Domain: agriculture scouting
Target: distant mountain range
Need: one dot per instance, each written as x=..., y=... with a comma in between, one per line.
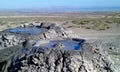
x=61, y=9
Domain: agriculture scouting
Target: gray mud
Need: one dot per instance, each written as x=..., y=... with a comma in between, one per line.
x=55, y=50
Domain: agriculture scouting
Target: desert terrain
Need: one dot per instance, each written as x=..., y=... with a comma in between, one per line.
x=84, y=24
x=101, y=29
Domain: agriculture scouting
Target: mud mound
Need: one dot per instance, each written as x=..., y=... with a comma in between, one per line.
x=52, y=48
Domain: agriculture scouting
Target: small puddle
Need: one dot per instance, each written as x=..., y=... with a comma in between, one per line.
x=27, y=30
x=66, y=44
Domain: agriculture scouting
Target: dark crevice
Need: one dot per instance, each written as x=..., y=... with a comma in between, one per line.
x=44, y=35
x=63, y=56
x=2, y=65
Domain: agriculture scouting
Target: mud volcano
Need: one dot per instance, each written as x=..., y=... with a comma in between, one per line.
x=48, y=47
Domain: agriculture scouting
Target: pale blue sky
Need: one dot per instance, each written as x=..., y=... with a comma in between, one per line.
x=10, y=4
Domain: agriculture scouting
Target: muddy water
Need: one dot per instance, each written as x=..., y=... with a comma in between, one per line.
x=68, y=44
x=26, y=30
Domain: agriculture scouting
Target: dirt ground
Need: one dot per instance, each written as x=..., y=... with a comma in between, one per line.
x=65, y=19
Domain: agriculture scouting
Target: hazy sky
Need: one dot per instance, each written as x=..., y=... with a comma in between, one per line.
x=6, y=4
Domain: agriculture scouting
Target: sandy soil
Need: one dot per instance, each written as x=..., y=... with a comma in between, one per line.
x=62, y=18
x=92, y=34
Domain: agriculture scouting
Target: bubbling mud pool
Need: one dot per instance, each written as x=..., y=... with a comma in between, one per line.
x=65, y=44
x=27, y=30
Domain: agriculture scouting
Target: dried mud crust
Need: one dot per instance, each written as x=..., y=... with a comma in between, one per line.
x=40, y=59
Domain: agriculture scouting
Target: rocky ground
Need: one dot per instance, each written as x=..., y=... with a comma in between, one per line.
x=22, y=53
